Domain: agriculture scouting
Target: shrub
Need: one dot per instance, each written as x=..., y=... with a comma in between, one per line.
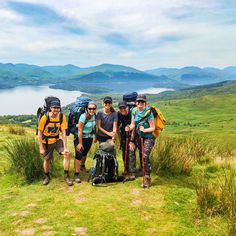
x=25, y=158
x=177, y=155
x=16, y=129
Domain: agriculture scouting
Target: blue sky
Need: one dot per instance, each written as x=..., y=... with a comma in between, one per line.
x=142, y=34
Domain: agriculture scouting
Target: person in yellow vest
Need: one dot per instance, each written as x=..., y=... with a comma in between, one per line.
x=49, y=129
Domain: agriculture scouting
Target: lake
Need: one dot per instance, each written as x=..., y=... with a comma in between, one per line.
x=27, y=99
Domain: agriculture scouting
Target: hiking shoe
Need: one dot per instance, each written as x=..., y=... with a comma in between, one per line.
x=77, y=178
x=46, y=180
x=68, y=181
x=83, y=168
x=132, y=177
x=147, y=182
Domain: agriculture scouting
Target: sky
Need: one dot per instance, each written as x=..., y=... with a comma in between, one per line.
x=142, y=34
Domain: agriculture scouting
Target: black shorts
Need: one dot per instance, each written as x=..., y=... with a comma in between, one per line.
x=102, y=139
x=87, y=143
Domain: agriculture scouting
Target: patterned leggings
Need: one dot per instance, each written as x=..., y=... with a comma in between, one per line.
x=148, y=145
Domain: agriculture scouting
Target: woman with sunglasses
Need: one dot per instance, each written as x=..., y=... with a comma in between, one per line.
x=143, y=125
x=83, y=143
x=107, y=122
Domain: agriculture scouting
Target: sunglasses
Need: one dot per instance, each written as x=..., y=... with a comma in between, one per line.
x=107, y=102
x=91, y=109
x=140, y=101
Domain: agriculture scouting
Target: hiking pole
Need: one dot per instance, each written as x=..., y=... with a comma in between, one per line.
x=126, y=152
x=142, y=151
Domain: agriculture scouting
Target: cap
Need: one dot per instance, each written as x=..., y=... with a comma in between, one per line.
x=122, y=104
x=141, y=97
x=55, y=104
x=107, y=99
x=92, y=103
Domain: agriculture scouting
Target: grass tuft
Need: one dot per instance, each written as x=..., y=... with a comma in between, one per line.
x=16, y=129
x=25, y=159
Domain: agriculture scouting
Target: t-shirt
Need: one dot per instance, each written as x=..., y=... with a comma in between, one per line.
x=52, y=128
x=107, y=122
x=123, y=121
x=138, y=116
x=89, y=125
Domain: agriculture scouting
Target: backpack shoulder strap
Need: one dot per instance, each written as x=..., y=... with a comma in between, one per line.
x=47, y=121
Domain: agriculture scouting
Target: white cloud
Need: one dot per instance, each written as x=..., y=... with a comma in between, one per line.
x=157, y=33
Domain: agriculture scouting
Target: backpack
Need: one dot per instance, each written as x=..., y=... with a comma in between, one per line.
x=159, y=119
x=105, y=167
x=77, y=109
x=45, y=109
x=130, y=99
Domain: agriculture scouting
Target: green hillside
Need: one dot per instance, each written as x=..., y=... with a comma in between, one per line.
x=188, y=196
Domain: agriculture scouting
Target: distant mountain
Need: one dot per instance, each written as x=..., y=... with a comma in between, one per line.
x=195, y=75
x=62, y=71
x=117, y=82
x=221, y=88
x=109, y=77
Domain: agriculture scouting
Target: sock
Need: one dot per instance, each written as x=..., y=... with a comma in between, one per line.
x=66, y=172
x=76, y=173
x=47, y=174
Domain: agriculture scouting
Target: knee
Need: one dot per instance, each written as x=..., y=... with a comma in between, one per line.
x=67, y=155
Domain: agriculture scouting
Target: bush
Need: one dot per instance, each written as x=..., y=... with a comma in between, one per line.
x=15, y=129
x=25, y=158
x=177, y=155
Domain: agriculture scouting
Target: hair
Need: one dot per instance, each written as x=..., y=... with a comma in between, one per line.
x=112, y=109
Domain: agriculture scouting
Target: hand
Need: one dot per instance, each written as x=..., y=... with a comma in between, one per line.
x=132, y=146
x=127, y=128
x=42, y=151
x=112, y=134
x=141, y=128
x=95, y=140
x=66, y=151
x=80, y=147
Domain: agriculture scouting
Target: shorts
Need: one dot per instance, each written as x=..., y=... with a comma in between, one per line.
x=58, y=145
x=102, y=139
x=87, y=143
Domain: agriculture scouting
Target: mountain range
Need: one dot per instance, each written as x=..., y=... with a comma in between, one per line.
x=109, y=78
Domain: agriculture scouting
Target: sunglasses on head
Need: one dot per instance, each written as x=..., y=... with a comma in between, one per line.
x=91, y=108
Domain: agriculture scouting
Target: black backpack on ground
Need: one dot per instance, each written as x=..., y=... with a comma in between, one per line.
x=45, y=109
x=130, y=99
x=105, y=168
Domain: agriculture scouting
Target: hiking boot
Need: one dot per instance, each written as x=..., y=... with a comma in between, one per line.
x=132, y=177
x=147, y=182
x=77, y=178
x=46, y=180
x=67, y=180
x=83, y=168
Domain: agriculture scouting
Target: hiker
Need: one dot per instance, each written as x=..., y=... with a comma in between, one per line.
x=84, y=140
x=49, y=129
x=142, y=126
x=124, y=121
x=107, y=120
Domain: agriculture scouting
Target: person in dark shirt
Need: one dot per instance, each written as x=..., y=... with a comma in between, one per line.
x=124, y=121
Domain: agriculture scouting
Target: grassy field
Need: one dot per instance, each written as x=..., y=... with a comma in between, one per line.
x=169, y=207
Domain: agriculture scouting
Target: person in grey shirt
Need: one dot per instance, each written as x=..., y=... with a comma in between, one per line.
x=107, y=120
